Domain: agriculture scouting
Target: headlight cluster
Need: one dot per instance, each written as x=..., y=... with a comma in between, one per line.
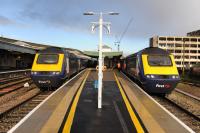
x=150, y=76
x=175, y=77
x=34, y=73
x=55, y=73
x=45, y=73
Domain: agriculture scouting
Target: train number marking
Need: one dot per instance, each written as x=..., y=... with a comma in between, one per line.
x=163, y=86
x=44, y=82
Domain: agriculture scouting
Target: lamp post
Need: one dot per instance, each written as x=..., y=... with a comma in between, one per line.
x=106, y=25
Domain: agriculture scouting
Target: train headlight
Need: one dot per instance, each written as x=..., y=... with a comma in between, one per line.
x=175, y=77
x=34, y=73
x=55, y=73
x=150, y=76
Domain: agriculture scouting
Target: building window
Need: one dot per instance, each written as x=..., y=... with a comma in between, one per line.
x=186, y=45
x=162, y=45
x=177, y=57
x=185, y=39
x=178, y=39
x=193, y=51
x=193, y=40
x=193, y=46
x=170, y=45
x=177, y=51
x=162, y=38
x=170, y=39
x=178, y=45
x=193, y=57
x=187, y=51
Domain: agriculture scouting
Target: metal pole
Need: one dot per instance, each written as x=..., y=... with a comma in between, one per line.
x=100, y=74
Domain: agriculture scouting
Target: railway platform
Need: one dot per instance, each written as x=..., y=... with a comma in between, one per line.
x=125, y=108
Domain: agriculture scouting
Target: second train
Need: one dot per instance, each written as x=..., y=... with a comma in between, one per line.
x=152, y=68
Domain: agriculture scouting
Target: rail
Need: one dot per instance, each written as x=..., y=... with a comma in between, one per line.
x=16, y=71
x=187, y=94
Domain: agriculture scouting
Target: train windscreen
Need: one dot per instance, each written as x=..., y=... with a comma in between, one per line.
x=47, y=59
x=159, y=60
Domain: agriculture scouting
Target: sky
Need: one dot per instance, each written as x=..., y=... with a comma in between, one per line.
x=62, y=23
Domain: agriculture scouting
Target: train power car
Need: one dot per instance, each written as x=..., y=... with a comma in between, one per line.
x=154, y=69
x=52, y=66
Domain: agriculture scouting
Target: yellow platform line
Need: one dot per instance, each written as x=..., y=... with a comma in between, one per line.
x=69, y=121
x=130, y=110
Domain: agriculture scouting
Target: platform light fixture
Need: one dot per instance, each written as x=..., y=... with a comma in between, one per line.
x=101, y=25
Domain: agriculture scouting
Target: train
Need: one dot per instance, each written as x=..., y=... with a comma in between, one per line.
x=154, y=69
x=195, y=70
x=53, y=65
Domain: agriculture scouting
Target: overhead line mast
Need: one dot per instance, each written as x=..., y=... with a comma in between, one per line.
x=123, y=33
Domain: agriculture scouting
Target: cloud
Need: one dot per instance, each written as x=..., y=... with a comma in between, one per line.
x=5, y=21
x=150, y=17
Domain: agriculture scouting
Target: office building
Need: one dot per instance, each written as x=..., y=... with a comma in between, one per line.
x=186, y=50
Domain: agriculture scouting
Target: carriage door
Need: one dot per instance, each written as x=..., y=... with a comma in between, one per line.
x=67, y=68
x=137, y=66
x=79, y=64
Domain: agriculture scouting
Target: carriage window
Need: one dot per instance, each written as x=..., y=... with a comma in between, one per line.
x=47, y=59
x=159, y=60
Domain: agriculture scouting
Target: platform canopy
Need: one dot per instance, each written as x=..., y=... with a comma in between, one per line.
x=95, y=54
x=20, y=46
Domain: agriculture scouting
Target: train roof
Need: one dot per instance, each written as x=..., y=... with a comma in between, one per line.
x=154, y=50
x=71, y=53
x=52, y=50
x=151, y=50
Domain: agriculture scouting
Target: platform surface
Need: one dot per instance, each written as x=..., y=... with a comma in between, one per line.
x=125, y=109
x=112, y=118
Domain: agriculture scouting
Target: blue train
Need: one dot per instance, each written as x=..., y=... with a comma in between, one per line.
x=152, y=68
x=53, y=65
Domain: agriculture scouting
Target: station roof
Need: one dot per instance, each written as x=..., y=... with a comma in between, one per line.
x=29, y=47
x=95, y=54
x=20, y=46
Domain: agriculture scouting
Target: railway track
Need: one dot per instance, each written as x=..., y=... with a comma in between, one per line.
x=13, y=86
x=11, y=79
x=189, y=118
x=191, y=83
x=14, y=82
x=13, y=74
x=186, y=101
x=188, y=94
x=12, y=116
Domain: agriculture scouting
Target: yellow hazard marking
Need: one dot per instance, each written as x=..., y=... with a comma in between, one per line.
x=130, y=110
x=70, y=117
